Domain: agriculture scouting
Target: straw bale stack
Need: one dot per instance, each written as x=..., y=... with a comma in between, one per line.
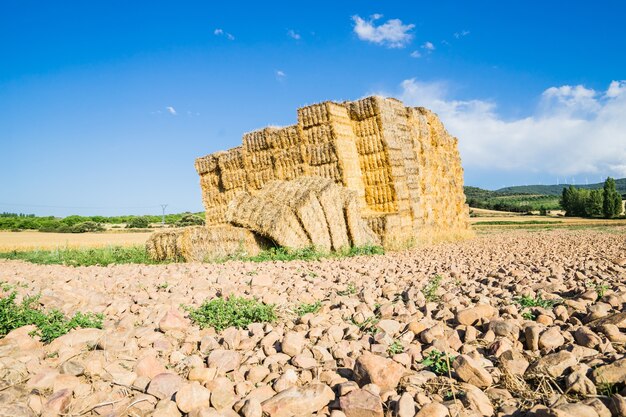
x=400, y=162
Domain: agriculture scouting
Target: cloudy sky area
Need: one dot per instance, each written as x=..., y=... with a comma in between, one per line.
x=105, y=105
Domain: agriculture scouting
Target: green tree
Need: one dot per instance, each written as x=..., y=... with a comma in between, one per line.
x=612, y=201
x=140, y=222
x=594, y=203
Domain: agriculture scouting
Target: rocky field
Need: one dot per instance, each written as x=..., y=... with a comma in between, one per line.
x=508, y=324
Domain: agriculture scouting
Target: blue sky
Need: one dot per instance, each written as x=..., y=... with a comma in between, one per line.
x=105, y=105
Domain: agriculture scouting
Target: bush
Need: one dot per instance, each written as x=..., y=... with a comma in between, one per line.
x=189, y=219
x=88, y=226
x=140, y=222
x=220, y=313
x=50, y=325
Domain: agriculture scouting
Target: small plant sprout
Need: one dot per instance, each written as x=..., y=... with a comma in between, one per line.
x=305, y=308
x=438, y=362
x=395, y=348
x=430, y=290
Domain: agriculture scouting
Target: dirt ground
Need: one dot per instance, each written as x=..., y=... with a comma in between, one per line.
x=369, y=349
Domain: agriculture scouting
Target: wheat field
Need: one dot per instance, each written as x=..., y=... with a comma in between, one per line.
x=30, y=240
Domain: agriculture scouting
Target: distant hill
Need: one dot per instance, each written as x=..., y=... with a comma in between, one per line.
x=620, y=185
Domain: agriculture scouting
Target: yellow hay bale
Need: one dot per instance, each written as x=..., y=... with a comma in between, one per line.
x=330, y=171
x=202, y=244
x=359, y=232
x=230, y=160
x=276, y=222
x=164, y=245
x=206, y=164
x=300, y=196
x=258, y=178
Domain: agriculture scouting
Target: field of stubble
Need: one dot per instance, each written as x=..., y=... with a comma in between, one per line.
x=509, y=323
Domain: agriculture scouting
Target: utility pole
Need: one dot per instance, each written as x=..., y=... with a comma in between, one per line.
x=163, y=206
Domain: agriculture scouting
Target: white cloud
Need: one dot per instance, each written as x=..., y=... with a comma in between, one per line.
x=220, y=32
x=416, y=54
x=280, y=74
x=393, y=33
x=573, y=130
x=428, y=46
x=293, y=34
x=461, y=34
x=171, y=110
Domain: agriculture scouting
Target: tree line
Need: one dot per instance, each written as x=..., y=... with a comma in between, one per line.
x=605, y=202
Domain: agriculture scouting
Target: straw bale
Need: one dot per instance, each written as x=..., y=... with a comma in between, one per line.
x=164, y=245
x=201, y=244
x=258, y=159
x=359, y=232
x=258, y=178
x=233, y=179
x=206, y=164
x=330, y=171
x=230, y=160
x=274, y=221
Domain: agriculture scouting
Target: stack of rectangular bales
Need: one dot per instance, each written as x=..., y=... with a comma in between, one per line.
x=400, y=161
x=329, y=148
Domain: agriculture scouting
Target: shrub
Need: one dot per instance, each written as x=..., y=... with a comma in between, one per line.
x=50, y=325
x=430, y=290
x=189, y=219
x=221, y=313
x=140, y=222
x=87, y=226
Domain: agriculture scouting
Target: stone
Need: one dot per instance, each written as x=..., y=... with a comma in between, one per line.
x=252, y=408
x=577, y=410
x=383, y=372
x=405, y=406
x=72, y=368
x=587, y=338
x=202, y=375
x=166, y=408
x=613, y=373
x=224, y=360
x=298, y=401
x=173, y=320
x=292, y=343
x=264, y=280
x=514, y=362
x=191, y=396
x=164, y=386
x=433, y=410
x=551, y=339
x=149, y=366
x=58, y=402
x=478, y=314
x=477, y=400
x=222, y=392
x=577, y=382
x=361, y=403
x=472, y=372
x=553, y=364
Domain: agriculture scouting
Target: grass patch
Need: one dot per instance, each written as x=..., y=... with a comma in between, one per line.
x=527, y=301
x=509, y=222
x=438, y=362
x=50, y=325
x=305, y=308
x=528, y=315
x=84, y=257
x=368, y=325
x=220, y=313
x=430, y=290
x=306, y=254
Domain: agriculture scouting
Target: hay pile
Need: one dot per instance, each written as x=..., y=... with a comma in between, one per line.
x=308, y=211
x=200, y=243
x=400, y=162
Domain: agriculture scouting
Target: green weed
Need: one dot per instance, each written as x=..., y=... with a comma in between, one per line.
x=438, y=362
x=528, y=315
x=430, y=290
x=221, y=313
x=350, y=290
x=527, y=301
x=305, y=308
x=50, y=325
x=395, y=348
